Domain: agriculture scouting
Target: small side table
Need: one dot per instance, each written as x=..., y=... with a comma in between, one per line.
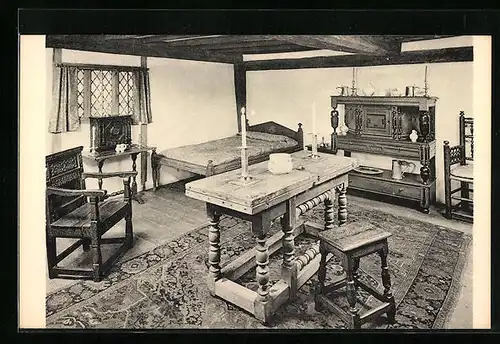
x=133, y=152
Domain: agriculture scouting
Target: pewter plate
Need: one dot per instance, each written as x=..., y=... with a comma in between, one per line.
x=368, y=170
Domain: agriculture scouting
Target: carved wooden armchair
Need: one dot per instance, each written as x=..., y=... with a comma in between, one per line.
x=74, y=212
x=458, y=169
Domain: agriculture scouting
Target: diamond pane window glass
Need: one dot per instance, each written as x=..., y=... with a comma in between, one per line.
x=80, y=91
x=125, y=93
x=105, y=92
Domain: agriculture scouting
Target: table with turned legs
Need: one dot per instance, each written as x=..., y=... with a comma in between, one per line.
x=260, y=200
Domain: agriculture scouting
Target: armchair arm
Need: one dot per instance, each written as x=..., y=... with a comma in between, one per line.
x=72, y=192
x=99, y=175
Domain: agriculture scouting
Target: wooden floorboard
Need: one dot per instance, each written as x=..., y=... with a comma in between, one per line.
x=174, y=210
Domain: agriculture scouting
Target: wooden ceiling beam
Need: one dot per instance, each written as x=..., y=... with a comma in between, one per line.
x=258, y=49
x=99, y=44
x=345, y=43
x=169, y=39
x=219, y=40
x=462, y=54
x=144, y=38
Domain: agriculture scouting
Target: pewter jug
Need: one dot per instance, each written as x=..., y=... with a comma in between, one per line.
x=344, y=90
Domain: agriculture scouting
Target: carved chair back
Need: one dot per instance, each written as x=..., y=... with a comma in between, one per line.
x=64, y=170
x=466, y=138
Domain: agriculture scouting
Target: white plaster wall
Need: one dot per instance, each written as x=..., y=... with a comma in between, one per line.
x=191, y=102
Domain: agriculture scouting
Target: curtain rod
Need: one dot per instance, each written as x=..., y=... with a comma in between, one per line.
x=102, y=67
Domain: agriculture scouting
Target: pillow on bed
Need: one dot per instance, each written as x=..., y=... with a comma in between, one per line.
x=256, y=135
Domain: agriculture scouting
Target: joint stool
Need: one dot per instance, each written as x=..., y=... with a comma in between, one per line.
x=349, y=243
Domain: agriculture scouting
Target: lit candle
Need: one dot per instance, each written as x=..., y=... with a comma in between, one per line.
x=243, y=129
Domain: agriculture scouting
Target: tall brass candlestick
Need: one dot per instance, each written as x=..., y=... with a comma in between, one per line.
x=354, y=77
x=426, y=85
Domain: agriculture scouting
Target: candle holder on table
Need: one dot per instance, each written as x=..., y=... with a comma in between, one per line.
x=245, y=175
x=93, y=151
x=314, y=146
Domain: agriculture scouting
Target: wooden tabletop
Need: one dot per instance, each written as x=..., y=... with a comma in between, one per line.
x=266, y=189
x=134, y=149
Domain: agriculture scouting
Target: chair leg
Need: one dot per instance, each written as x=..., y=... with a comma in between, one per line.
x=386, y=282
x=129, y=232
x=51, y=255
x=464, y=193
x=96, y=258
x=351, y=293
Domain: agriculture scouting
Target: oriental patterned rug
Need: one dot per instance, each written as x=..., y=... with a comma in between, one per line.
x=165, y=287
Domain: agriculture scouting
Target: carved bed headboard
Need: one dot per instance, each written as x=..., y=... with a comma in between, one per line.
x=271, y=127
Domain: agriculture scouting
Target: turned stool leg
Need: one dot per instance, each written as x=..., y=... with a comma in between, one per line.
x=355, y=274
x=351, y=292
x=386, y=282
x=321, y=275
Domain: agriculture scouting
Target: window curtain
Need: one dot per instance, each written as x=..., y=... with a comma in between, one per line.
x=142, y=99
x=64, y=115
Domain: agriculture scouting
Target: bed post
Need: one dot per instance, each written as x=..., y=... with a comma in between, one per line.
x=155, y=167
x=240, y=85
x=210, y=168
x=300, y=137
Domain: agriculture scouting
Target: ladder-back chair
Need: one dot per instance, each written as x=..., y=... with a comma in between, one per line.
x=458, y=170
x=74, y=212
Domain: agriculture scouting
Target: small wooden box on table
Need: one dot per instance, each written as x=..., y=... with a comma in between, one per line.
x=260, y=200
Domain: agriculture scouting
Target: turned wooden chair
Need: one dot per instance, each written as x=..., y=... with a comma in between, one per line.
x=458, y=169
x=74, y=212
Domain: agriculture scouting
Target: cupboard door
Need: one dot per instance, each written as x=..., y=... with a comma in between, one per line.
x=350, y=117
x=376, y=121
